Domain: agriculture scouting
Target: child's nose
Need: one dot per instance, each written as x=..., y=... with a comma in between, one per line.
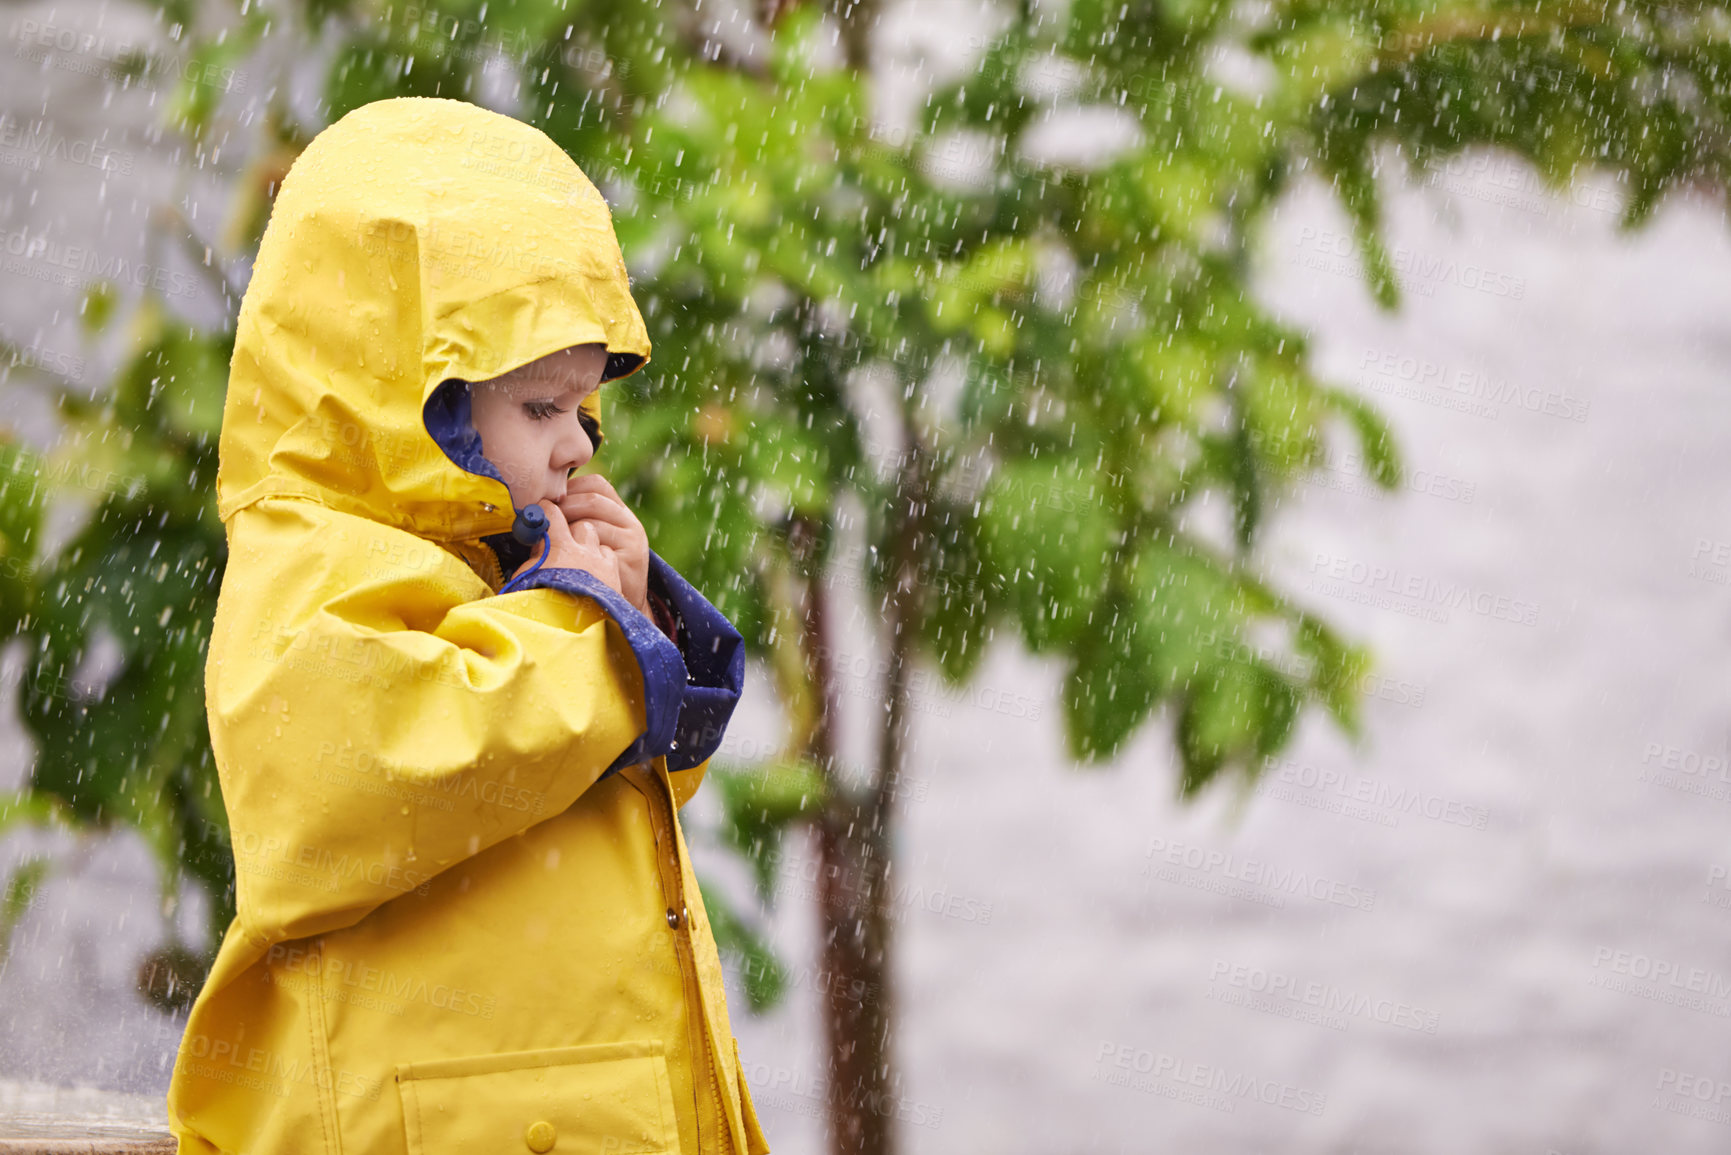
x=574, y=448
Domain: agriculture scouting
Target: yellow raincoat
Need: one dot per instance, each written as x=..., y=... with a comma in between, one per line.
x=467, y=921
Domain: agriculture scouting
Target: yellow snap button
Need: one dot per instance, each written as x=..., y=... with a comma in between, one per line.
x=540, y=1136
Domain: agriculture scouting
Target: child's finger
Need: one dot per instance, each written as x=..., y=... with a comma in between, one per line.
x=605, y=504
x=599, y=500
x=577, y=547
x=558, y=526
x=599, y=507
x=591, y=483
x=614, y=537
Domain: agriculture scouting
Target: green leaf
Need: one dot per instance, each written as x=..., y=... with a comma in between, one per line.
x=1377, y=446
x=1337, y=670
x=765, y=976
x=1282, y=411
x=1246, y=480
x=181, y=382
x=201, y=80
x=1321, y=56
x=20, y=808
x=1184, y=605
x=518, y=24
x=794, y=45
x=1174, y=375
x=372, y=67
x=1357, y=186
x=19, y=896
x=97, y=306
x=1048, y=535
x=1112, y=686
x=759, y=803
x=1239, y=712
x=22, y=498
x=957, y=596
x=1176, y=191
x=784, y=460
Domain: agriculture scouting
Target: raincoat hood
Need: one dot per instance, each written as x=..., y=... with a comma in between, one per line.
x=415, y=241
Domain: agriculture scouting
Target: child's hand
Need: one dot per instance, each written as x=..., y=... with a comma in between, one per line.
x=579, y=549
x=591, y=500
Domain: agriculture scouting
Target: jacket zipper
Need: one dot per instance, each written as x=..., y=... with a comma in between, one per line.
x=695, y=1013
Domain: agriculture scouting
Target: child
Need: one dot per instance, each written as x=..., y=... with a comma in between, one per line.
x=467, y=920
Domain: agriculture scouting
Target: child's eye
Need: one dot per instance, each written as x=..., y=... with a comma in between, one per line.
x=541, y=410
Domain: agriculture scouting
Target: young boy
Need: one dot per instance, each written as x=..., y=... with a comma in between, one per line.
x=467, y=919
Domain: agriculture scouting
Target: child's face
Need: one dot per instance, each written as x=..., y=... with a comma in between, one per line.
x=529, y=425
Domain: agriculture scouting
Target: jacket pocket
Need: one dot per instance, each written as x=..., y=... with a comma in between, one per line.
x=610, y=1098
x=755, y=1141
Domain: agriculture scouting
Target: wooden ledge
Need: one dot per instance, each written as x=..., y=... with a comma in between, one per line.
x=42, y=1119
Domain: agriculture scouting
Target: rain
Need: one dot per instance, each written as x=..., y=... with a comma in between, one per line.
x=1102, y=576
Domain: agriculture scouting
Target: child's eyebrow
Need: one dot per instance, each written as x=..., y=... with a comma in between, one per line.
x=543, y=390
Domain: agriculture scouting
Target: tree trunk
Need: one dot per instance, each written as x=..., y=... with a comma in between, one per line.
x=853, y=842
x=853, y=832
x=856, y=972
x=857, y=19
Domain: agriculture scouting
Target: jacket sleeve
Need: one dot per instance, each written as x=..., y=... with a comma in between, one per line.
x=377, y=716
x=691, y=698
